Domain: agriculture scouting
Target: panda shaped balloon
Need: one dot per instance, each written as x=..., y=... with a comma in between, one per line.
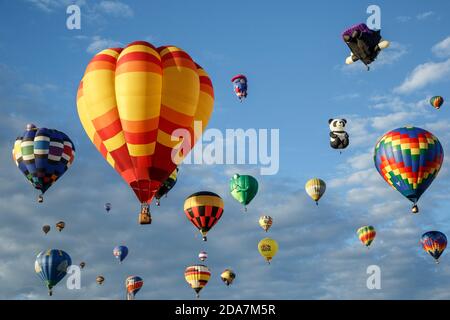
x=339, y=138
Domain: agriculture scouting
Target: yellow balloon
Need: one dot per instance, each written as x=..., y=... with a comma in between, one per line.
x=315, y=188
x=268, y=248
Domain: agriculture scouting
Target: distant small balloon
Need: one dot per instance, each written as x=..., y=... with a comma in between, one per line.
x=100, y=280
x=107, y=206
x=203, y=256
x=82, y=265
x=60, y=225
x=46, y=228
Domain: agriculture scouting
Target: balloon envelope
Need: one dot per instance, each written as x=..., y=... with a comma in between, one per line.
x=265, y=222
x=409, y=159
x=133, y=284
x=120, y=252
x=243, y=188
x=203, y=209
x=315, y=188
x=366, y=234
x=436, y=102
x=268, y=248
x=434, y=242
x=51, y=266
x=43, y=155
x=197, y=276
x=131, y=100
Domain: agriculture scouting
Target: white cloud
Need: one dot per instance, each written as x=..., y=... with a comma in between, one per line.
x=115, y=8
x=98, y=43
x=442, y=49
x=425, y=15
x=52, y=5
x=403, y=19
x=424, y=75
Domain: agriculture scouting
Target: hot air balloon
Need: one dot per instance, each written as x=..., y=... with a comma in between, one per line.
x=100, y=280
x=228, y=276
x=46, y=228
x=43, y=155
x=60, y=226
x=51, y=266
x=243, y=188
x=107, y=207
x=197, y=276
x=268, y=248
x=82, y=265
x=240, y=86
x=436, y=102
x=265, y=222
x=203, y=256
x=365, y=44
x=409, y=159
x=366, y=234
x=434, y=242
x=203, y=209
x=166, y=186
x=133, y=284
x=315, y=188
x=120, y=252
x=132, y=103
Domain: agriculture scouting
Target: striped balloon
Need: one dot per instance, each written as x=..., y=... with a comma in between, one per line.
x=43, y=156
x=203, y=256
x=133, y=284
x=434, y=242
x=197, y=276
x=131, y=100
x=203, y=209
x=315, y=188
x=437, y=102
x=366, y=234
x=409, y=159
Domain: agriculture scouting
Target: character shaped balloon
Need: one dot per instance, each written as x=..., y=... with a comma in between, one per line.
x=339, y=138
x=364, y=44
x=243, y=188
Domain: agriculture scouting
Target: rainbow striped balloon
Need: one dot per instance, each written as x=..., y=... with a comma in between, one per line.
x=366, y=234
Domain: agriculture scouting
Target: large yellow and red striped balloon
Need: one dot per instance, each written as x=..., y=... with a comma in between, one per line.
x=131, y=100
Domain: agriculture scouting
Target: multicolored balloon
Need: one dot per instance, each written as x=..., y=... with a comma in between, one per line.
x=167, y=185
x=409, y=159
x=131, y=100
x=203, y=255
x=51, y=266
x=315, y=188
x=436, y=102
x=240, y=86
x=43, y=156
x=204, y=209
x=120, y=252
x=268, y=248
x=133, y=284
x=228, y=276
x=197, y=276
x=243, y=188
x=265, y=222
x=434, y=242
x=366, y=234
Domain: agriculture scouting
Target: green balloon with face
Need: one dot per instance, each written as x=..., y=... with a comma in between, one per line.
x=243, y=188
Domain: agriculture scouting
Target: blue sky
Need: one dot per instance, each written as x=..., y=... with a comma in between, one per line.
x=294, y=57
